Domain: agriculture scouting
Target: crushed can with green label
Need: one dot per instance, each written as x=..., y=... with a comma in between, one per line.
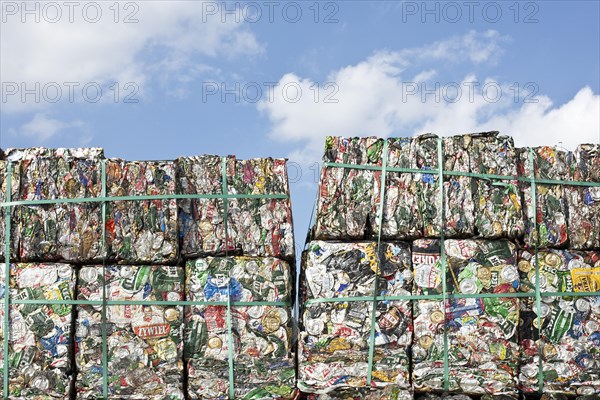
x=39, y=353
x=335, y=335
x=260, y=345
x=144, y=341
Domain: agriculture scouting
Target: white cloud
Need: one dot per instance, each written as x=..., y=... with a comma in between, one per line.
x=167, y=39
x=374, y=98
x=42, y=128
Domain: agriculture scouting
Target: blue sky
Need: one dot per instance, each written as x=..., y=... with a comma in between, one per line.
x=363, y=68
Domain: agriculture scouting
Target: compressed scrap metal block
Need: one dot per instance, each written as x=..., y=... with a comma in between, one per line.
x=144, y=342
x=345, y=194
x=40, y=334
x=334, y=337
x=141, y=231
x=256, y=227
x=261, y=341
x=432, y=396
x=481, y=332
x=412, y=206
x=498, y=211
x=584, y=202
x=550, y=203
x=568, y=339
x=67, y=231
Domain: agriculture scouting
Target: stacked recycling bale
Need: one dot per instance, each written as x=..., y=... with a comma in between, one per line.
x=40, y=344
x=560, y=335
x=480, y=332
x=466, y=320
x=236, y=249
x=40, y=338
x=351, y=345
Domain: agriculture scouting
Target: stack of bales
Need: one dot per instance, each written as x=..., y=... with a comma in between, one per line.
x=237, y=249
x=131, y=262
x=469, y=232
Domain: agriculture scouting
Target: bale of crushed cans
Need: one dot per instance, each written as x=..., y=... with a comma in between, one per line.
x=548, y=210
x=249, y=226
x=60, y=231
x=144, y=342
x=349, y=198
x=260, y=345
x=334, y=338
x=568, y=339
x=39, y=345
x=583, y=203
x=480, y=332
x=141, y=231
